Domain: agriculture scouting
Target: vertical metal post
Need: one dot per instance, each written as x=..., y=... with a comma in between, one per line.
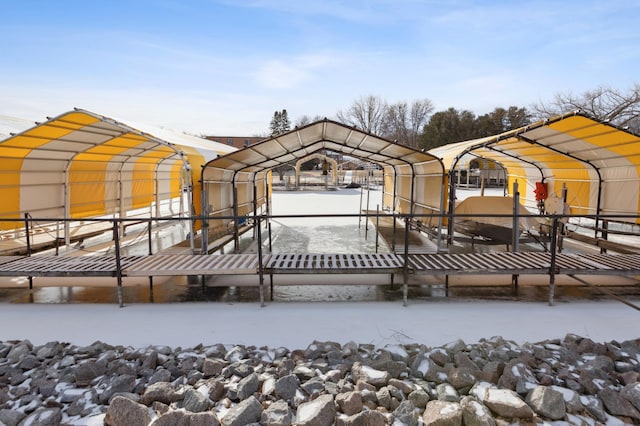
x=28, y=238
x=116, y=244
x=360, y=212
x=405, y=286
x=377, y=225
x=552, y=266
x=150, y=252
x=366, y=223
x=516, y=218
x=260, y=265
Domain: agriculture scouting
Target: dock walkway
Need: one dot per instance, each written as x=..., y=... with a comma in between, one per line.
x=435, y=264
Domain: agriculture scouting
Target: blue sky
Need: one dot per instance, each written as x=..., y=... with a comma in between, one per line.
x=223, y=67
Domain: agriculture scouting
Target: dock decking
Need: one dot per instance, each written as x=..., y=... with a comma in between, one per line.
x=437, y=264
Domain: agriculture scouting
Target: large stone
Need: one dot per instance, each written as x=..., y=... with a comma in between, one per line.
x=125, y=412
x=277, y=414
x=248, y=385
x=366, y=418
x=161, y=392
x=617, y=404
x=594, y=407
x=571, y=399
x=406, y=413
x=286, y=387
x=120, y=384
x=319, y=412
x=350, y=403
x=442, y=413
x=180, y=418
x=10, y=417
x=244, y=413
x=632, y=393
x=419, y=398
x=519, y=377
x=474, y=413
x=212, y=367
x=369, y=375
x=87, y=371
x=461, y=378
x=507, y=403
x=547, y=402
x=446, y=392
x=19, y=351
x=195, y=401
x=425, y=367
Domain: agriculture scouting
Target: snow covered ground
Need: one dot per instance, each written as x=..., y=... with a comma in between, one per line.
x=295, y=324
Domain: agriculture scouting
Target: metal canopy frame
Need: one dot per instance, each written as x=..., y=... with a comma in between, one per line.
x=416, y=178
x=597, y=162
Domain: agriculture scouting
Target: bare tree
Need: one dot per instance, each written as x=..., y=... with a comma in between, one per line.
x=305, y=119
x=367, y=113
x=603, y=103
x=420, y=111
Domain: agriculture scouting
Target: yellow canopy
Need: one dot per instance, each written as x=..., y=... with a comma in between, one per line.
x=81, y=164
x=597, y=162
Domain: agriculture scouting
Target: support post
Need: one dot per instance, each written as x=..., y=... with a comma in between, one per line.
x=377, y=225
x=552, y=267
x=28, y=238
x=405, y=286
x=116, y=245
x=150, y=252
x=260, y=265
x=516, y=218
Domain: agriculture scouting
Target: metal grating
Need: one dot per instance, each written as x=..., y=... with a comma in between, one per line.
x=215, y=264
x=334, y=263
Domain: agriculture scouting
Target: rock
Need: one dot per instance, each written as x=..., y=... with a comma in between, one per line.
x=212, y=367
x=632, y=394
x=286, y=387
x=427, y=368
x=120, y=384
x=175, y=418
x=507, y=403
x=244, y=413
x=369, y=375
x=124, y=412
x=419, y=398
x=594, y=407
x=474, y=413
x=350, y=403
x=547, y=402
x=277, y=414
x=571, y=399
x=366, y=418
x=446, y=392
x=442, y=413
x=519, y=377
x=406, y=413
x=617, y=405
x=195, y=401
x=87, y=371
x=248, y=386
x=461, y=378
x=161, y=392
x=19, y=351
x=319, y=412
x=10, y=417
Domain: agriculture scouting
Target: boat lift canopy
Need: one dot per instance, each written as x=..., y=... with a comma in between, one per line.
x=597, y=163
x=81, y=165
x=235, y=184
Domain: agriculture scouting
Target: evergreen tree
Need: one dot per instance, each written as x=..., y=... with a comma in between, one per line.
x=280, y=123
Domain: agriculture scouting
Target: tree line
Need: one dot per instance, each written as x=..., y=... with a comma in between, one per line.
x=415, y=123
